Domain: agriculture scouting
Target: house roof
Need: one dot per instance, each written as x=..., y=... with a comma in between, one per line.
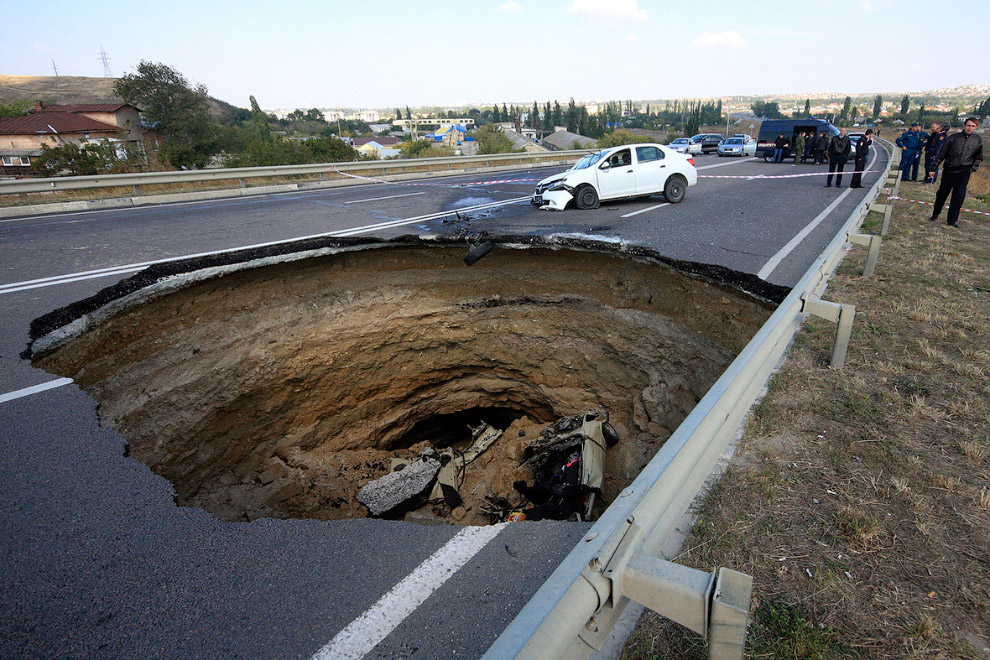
x=383, y=141
x=84, y=107
x=565, y=140
x=50, y=123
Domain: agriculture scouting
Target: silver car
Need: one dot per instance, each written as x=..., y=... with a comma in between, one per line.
x=738, y=146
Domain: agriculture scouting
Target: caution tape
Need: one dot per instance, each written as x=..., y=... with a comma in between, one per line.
x=918, y=201
x=435, y=185
x=781, y=176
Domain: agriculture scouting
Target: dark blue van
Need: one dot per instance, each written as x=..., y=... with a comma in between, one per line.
x=771, y=128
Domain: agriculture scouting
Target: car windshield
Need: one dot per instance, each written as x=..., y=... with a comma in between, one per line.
x=680, y=141
x=734, y=141
x=588, y=161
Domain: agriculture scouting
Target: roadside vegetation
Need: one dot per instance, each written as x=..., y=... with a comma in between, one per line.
x=859, y=498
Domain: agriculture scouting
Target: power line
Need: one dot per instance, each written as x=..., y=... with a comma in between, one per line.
x=106, y=63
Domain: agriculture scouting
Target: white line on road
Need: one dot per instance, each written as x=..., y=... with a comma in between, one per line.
x=376, y=199
x=366, y=631
x=648, y=208
x=775, y=260
x=731, y=162
x=28, y=391
x=128, y=268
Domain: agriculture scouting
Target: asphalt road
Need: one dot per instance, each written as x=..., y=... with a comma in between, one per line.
x=100, y=563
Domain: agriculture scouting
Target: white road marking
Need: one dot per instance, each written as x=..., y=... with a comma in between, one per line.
x=731, y=162
x=775, y=260
x=129, y=268
x=366, y=631
x=648, y=208
x=376, y=199
x=28, y=391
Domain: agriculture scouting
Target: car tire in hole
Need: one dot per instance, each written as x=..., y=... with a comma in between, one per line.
x=586, y=198
x=675, y=189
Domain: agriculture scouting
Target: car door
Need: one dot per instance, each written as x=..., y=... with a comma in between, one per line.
x=651, y=170
x=616, y=175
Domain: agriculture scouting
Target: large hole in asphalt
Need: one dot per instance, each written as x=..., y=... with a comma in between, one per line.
x=281, y=389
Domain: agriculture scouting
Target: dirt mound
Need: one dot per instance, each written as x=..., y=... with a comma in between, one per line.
x=282, y=390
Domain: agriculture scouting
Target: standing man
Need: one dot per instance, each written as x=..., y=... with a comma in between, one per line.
x=809, y=149
x=838, y=152
x=932, y=147
x=821, y=146
x=862, y=152
x=799, y=148
x=962, y=154
x=910, y=143
x=778, y=148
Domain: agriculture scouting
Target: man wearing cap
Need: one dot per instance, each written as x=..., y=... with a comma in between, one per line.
x=936, y=139
x=960, y=156
x=911, y=143
x=862, y=147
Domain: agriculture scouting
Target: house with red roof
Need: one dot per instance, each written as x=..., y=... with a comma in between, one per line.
x=21, y=138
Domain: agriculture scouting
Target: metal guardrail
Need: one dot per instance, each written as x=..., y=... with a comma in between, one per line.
x=383, y=168
x=616, y=562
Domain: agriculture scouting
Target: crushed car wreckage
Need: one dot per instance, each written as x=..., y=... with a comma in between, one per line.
x=566, y=462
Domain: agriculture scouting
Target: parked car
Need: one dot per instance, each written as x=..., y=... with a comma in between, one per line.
x=682, y=145
x=631, y=170
x=707, y=142
x=738, y=146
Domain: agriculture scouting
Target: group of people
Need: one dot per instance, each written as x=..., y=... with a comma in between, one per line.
x=820, y=148
x=913, y=143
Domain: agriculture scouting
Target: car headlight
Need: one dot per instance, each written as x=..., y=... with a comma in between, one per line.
x=559, y=185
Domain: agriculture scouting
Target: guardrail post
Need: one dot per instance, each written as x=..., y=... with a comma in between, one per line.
x=873, y=243
x=842, y=316
x=714, y=605
x=240, y=183
x=137, y=190
x=896, y=180
x=887, y=209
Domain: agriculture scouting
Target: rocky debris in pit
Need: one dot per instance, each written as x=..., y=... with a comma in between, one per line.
x=568, y=463
x=409, y=481
x=441, y=473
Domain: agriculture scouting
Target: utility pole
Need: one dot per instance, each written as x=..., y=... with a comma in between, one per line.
x=106, y=63
x=55, y=69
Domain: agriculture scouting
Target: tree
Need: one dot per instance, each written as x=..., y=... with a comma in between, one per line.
x=766, y=110
x=620, y=137
x=905, y=103
x=496, y=115
x=921, y=114
x=408, y=114
x=15, y=109
x=259, y=119
x=982, y=109
x=877, y=106
x=491, y=140
x=70, y=159
x=845, y=108
x=807, y=107
x=177, y=111
x=534, y=120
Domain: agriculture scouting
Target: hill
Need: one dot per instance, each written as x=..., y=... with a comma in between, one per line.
x=67, y=89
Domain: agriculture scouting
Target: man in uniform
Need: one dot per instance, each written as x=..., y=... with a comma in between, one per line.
x=862, y=152
x=911, y=143
x=838, y=152
x=799, y=148
x=821, y=146
x=935, y=141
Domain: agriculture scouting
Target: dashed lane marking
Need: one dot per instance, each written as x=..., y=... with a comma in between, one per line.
x=35, y=389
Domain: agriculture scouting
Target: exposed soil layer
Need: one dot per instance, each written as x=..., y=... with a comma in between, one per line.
x=280, y=390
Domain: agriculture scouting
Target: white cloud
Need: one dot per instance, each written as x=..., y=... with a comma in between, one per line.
x=626, y=10
x=512, y=7
x=726, y=39
x=42, y=47
x=633, y=37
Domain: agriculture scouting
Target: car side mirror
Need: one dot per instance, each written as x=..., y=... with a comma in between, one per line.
x=604, y=166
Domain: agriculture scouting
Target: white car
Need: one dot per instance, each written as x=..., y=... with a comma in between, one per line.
x=631, y=170
x=738, y=146
x=683, y=146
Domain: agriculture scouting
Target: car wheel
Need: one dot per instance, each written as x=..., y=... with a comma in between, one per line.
x=586, y=198
x=610, y=434
x=675, y=189
x=768, y=157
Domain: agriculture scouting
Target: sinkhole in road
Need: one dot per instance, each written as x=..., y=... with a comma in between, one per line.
x=280, y=388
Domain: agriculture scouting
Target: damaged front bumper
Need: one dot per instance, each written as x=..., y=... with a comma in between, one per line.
x=552, y=200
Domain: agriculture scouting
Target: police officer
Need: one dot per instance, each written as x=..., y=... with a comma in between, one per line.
x=911, y=143
x=799, y=148
x=838, y=152
x=961, y=154
x=934, y=144
x=862, y=151
x=821, y=146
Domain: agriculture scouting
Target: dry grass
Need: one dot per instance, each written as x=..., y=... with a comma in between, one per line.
x=872, y=481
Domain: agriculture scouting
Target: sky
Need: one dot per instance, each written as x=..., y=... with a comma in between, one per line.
x=392, y=53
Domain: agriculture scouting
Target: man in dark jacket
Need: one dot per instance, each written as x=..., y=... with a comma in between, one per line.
x=911, y=143
x=961, y=155
x=935, y=141
x=838, y=152
x=862, y=151
x=821, y=146
x=778, y=148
